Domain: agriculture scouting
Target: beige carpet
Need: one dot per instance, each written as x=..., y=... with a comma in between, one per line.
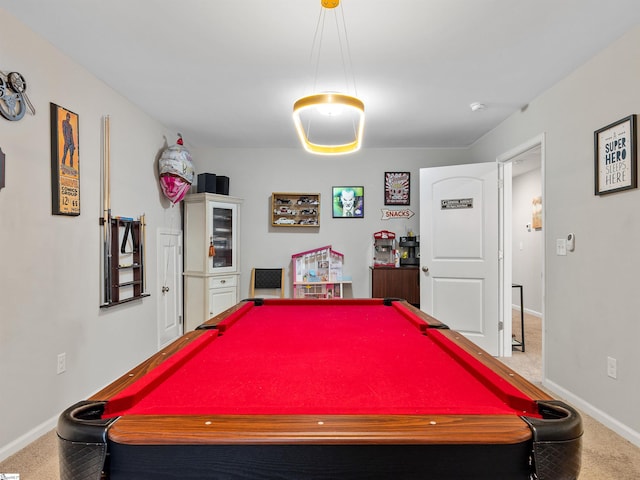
x=606, y=456
x=38, y=461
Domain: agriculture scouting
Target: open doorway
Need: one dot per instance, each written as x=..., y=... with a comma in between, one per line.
x=527, y=262
x=524, y=251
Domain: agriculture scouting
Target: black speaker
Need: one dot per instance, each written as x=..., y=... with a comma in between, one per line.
x=207, y=183
x=222, y=185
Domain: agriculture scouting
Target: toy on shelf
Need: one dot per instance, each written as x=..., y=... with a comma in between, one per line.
x=318, y=273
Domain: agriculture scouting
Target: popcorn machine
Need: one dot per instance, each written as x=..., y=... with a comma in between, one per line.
x=384, y=249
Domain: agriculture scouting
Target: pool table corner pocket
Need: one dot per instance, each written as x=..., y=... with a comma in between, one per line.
x=82, y=440
x=557, y=441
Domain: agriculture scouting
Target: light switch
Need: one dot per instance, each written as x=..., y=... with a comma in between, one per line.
x=561, y=246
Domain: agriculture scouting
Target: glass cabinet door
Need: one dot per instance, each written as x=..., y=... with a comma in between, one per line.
x=222, y=239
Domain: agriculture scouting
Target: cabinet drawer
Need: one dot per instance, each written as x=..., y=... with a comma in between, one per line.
x=223, y=281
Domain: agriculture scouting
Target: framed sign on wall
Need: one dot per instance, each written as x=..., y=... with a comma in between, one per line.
x=397, y=188
x=615, y=156
x=65, y=162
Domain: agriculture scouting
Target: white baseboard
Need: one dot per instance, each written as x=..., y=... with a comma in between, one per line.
x=527, y=311
x=602, y=417
x=19, y=443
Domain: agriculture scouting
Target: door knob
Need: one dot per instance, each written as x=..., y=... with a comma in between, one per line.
x=165, y=289
x=425, y=269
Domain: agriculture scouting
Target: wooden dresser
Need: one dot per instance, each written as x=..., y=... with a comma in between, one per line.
x=401, y=282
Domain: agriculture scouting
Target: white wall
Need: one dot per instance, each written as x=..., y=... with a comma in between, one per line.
x=50, y=277
x=255, y=174
x=591, y=297
x=527, y=243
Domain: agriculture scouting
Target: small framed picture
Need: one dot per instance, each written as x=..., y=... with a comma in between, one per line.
x=348, y=202
x=615, y=156
x=397, y=188
x=65, y=162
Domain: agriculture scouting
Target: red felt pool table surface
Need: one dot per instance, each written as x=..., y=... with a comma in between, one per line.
x=307, y=358
x=320, y=389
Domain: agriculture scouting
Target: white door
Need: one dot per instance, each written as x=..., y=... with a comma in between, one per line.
x=169, y=284
x=459, y=249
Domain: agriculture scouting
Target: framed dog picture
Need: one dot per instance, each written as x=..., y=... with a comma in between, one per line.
x=348, y=202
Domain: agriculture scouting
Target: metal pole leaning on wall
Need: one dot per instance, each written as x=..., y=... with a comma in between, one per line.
x=106, y=209
x=143, y=253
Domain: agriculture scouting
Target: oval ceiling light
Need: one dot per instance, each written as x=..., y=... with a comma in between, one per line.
x=328, y=104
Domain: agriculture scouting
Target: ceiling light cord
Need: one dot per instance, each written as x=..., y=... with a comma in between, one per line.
x=349, y=58
x=317, y=41
x=343, y=44
x=346, y=39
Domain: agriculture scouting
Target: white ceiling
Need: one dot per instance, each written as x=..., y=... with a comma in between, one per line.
x=226, y=73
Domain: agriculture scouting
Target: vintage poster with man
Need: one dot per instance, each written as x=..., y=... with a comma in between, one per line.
x=65, y=162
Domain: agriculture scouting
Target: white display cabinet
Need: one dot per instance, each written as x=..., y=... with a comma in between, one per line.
x=211, y=257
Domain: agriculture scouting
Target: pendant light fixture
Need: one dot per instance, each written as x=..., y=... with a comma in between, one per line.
x=327, y=122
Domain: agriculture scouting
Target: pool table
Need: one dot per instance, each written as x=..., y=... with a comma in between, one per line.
x=320, y=389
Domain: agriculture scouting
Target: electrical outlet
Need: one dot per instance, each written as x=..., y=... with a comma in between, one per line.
x=612, y=367
x=62, y=363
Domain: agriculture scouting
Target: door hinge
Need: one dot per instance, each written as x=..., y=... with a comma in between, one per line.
x=180, y=319
x=179, y=249
x=500, y=254
x=500, y=183
x=500, y=326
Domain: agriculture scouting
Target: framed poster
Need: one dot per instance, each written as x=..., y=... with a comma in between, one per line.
x=65, y=162
x=615, y=156
x=348, y=202
x=397, y=188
